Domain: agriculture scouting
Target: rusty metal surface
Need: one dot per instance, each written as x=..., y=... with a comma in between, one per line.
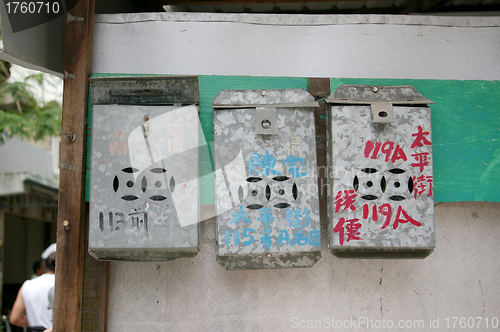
x=267, y=206
x=382, y=196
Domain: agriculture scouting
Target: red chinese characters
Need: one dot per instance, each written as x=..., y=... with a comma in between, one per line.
x=390, y=215
x=422, y=183
x=174, y=140
x=421, y=159
x=402, y=217
x=420, y=139
x=117, y=143
x=344, y=227
x=391, y=153
x=345, y=199
x=347, y=227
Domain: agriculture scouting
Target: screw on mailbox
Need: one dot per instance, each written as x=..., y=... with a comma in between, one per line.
x=266, y=124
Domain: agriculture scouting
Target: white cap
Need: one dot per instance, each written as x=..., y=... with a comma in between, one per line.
x=50, y=249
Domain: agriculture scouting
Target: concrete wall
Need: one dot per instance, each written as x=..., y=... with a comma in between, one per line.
x=458, y=280
x=20, y=156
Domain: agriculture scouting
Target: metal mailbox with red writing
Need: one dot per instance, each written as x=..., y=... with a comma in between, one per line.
x=144, y=168
x=380, y=153
x=266, y=192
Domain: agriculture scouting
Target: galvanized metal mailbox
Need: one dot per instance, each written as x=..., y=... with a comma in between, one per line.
x=380, y=154
x=266, y=193
x=144, y=168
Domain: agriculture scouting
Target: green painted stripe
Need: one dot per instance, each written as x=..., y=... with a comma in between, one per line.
x=89, y=145
x=466, y=132
x=465, y=125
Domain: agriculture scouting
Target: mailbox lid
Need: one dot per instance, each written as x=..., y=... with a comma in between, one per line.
x=381, y=174
x=266, y=184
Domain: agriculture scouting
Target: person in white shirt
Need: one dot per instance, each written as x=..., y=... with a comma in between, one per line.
x=34, y=301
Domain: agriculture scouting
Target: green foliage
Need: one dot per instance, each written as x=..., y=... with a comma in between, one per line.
x=21, y=114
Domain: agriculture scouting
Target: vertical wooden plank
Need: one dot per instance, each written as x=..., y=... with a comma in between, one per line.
x=96, y=274
x=72, y=208
x=2, y=233
x=95, y=295
x=320, y=89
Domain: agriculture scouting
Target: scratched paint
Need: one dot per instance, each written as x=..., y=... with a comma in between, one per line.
x=267, y=208
x=382, y=195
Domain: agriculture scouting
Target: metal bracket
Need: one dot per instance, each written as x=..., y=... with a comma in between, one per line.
x=71, y=18
x=68, y=75
x=382, y=112
x=266, y=121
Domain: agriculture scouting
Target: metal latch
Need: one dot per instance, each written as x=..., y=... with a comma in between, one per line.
x=266, y=121
x=382, y=112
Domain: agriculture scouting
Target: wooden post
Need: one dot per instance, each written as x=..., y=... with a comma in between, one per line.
x=320, y=89
x=2, y=237
x=95, y=295
x=71, y=218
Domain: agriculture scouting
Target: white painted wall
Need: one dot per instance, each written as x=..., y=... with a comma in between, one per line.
x=419, y=47
x=460, y=279
x=17, y=155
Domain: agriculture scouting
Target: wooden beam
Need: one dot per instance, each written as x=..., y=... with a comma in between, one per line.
x=72, y=208
x=95, y=295
x=320, y=89
x=233, y=2
x=2, y=237
x=427, y=6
